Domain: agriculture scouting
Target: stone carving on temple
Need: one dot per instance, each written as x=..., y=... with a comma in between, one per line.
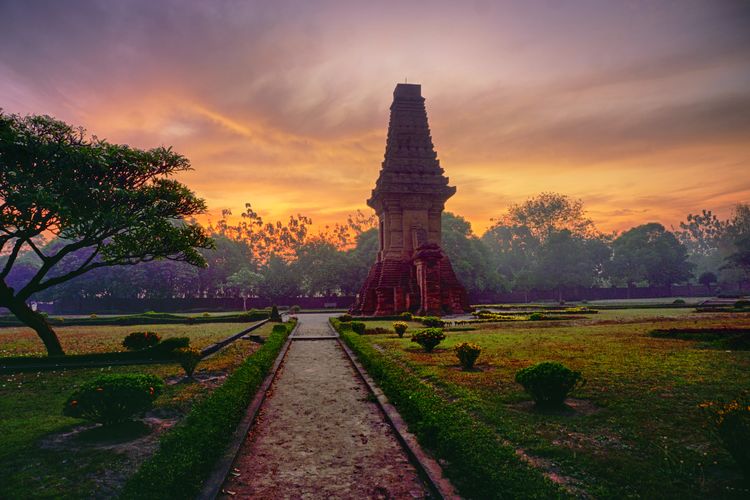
x=412, y=272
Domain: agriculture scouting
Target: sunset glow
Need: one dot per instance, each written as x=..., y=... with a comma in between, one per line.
x=641, y=109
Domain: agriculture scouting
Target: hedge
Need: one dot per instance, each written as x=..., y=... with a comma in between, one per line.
x=477, y=462
x=188, y=453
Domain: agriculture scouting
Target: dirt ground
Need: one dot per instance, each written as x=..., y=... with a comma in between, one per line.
x=318, y=435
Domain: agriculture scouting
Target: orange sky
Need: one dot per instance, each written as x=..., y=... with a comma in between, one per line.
x=641, y=109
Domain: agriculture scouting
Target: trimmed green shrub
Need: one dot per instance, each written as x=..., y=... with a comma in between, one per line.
x=536, y=316
x=549, y=383
x=731, y=422
x=432, y=322
x=279, y=329
x=275, y=317
x=358, y=327
x=136, y=341
x=400, y=328
x=345, y=318
x=474, y=458
x=378, y=330
x=112, y=399
x=467, y=354
x=188, y=452
x=742, y=303
x=188, y=357
x=166, y=346
x=407, y=316
x=678, y=302
x=428, y=338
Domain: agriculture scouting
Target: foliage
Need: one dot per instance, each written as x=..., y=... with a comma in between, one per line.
x=469, y=256
x=536, y=316
x=406, y=316
x=467, y=354
x=136, y=341
x=111, y=399
x=400, y=328
x=432, y=322
x=549, y=383
x=106, y=204
x=171, y=344
x=188, y=357
x=548, y=213
x=188, y=452
x=476, y=461
x=275, y=317
x=649, y=253
x=358, y=327
x=279, y=329
x=707, y=278
x=428, y=338
x=731, y=421
x=378, y=330
x=345, y=318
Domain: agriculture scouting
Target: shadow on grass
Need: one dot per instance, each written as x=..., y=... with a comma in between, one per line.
x=115, y=433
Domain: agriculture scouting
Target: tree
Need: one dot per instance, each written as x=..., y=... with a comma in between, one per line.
x=108, y=204
x=649, y=253
x=547, y=213
x=244, y=283
x=280, y=280
x=469, y=256
x=707, y=279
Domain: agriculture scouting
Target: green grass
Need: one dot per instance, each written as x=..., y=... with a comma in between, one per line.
x=31, y=411
x=22, y=341
x=187, y=454
x=641, y=434
x=478, y=463
x=147, y=318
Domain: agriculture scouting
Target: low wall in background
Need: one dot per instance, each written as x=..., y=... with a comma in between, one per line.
x=114, y=305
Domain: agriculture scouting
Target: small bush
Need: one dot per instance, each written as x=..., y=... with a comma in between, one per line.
x=166, y=346
x=279, y=329
x=92, y=316
x=549, y=383
x=678, y=302
x=432, y=322
x=206, y=315
x=407, y=316
x=136, y=341
x=378, y=330
x=275, y=317
x=731, y=421
x=742, y=303
x=400, y=328
x=358, y=327
x=111, y=399
x=467, y=354
x=345, y=318
x=428, y=338
x=188, y=357
x=536, y=317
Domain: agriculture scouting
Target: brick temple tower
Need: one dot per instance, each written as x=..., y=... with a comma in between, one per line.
x=411, y=273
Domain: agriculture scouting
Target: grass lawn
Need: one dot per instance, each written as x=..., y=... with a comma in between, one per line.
x=22, y=341
x=634, y=430
x=31, y=419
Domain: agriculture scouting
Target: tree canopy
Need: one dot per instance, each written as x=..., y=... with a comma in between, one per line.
x=104, y=204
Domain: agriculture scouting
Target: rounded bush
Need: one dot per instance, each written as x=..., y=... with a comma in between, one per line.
x=136, y=341
x=742, y=303
x=432, y=322
x=731, y=421
x=549, y=383
x=678, y=302
x=358, y=327
x=536, y=316
x=279, y=329
x=467, y=354
x=345, y=318
x=407, y=316
x=112, y=399
x=428, y=338
x=400, y=328
x=188, y=357
x=166, y=346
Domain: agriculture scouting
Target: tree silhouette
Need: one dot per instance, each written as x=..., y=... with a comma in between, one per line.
x=106, y=205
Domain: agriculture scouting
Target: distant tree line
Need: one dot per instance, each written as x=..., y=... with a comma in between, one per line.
x=547, y=242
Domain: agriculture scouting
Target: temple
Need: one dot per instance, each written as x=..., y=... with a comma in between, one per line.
x=411, y=273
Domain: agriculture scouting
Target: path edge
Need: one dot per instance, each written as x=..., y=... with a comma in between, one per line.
x=427, y=466
x=212, y=485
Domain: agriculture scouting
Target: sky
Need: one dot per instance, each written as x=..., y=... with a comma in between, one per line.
x=639, y=108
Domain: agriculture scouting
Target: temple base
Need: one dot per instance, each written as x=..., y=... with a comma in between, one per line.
x=425, y=285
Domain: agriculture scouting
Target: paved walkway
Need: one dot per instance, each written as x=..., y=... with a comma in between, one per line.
x=318, y=435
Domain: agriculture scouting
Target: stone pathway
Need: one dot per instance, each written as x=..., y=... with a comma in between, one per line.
x=318, y=435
